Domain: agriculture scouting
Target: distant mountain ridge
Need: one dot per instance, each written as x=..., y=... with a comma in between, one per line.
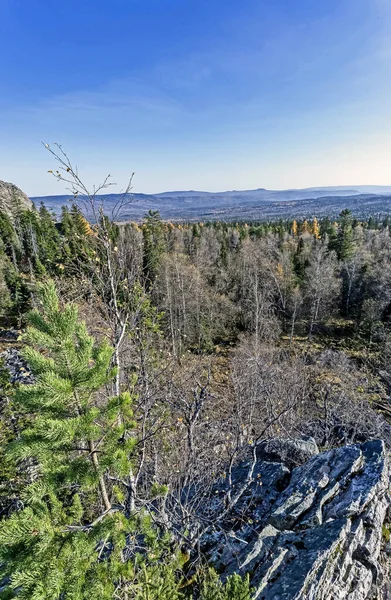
x=321, y=191
x=243, y=204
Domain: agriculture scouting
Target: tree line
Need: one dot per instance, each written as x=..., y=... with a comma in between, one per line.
x=211, y=281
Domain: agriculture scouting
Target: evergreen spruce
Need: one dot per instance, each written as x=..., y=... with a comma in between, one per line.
x=153, y=247
x=344, y=242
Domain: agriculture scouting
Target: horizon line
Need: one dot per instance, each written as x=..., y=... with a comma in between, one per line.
x=191, y=191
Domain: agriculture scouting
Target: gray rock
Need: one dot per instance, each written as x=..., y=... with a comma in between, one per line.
x=292, y=453
x=318, y=538
x=11, y=198
x=16, y=366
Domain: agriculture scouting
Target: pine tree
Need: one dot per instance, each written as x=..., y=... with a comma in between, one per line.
x=78, y=239
x=344, y=242
x=69, y=540
x=8, y=237
x=48, y=239
x=154, y=246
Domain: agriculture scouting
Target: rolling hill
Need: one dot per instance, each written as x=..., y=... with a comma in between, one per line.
x=246, y=204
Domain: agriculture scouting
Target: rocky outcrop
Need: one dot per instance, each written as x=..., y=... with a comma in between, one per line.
x=12, y=198
x=310, y=533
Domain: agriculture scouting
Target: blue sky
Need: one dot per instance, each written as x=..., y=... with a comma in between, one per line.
x=205, y=94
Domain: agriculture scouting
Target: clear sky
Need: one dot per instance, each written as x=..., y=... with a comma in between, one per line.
x=197, y=94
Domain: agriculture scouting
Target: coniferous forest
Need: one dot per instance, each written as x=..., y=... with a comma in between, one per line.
x=155, y=358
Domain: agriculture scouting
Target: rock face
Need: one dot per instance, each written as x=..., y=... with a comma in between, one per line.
x=11, y=197
x=312, y=533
